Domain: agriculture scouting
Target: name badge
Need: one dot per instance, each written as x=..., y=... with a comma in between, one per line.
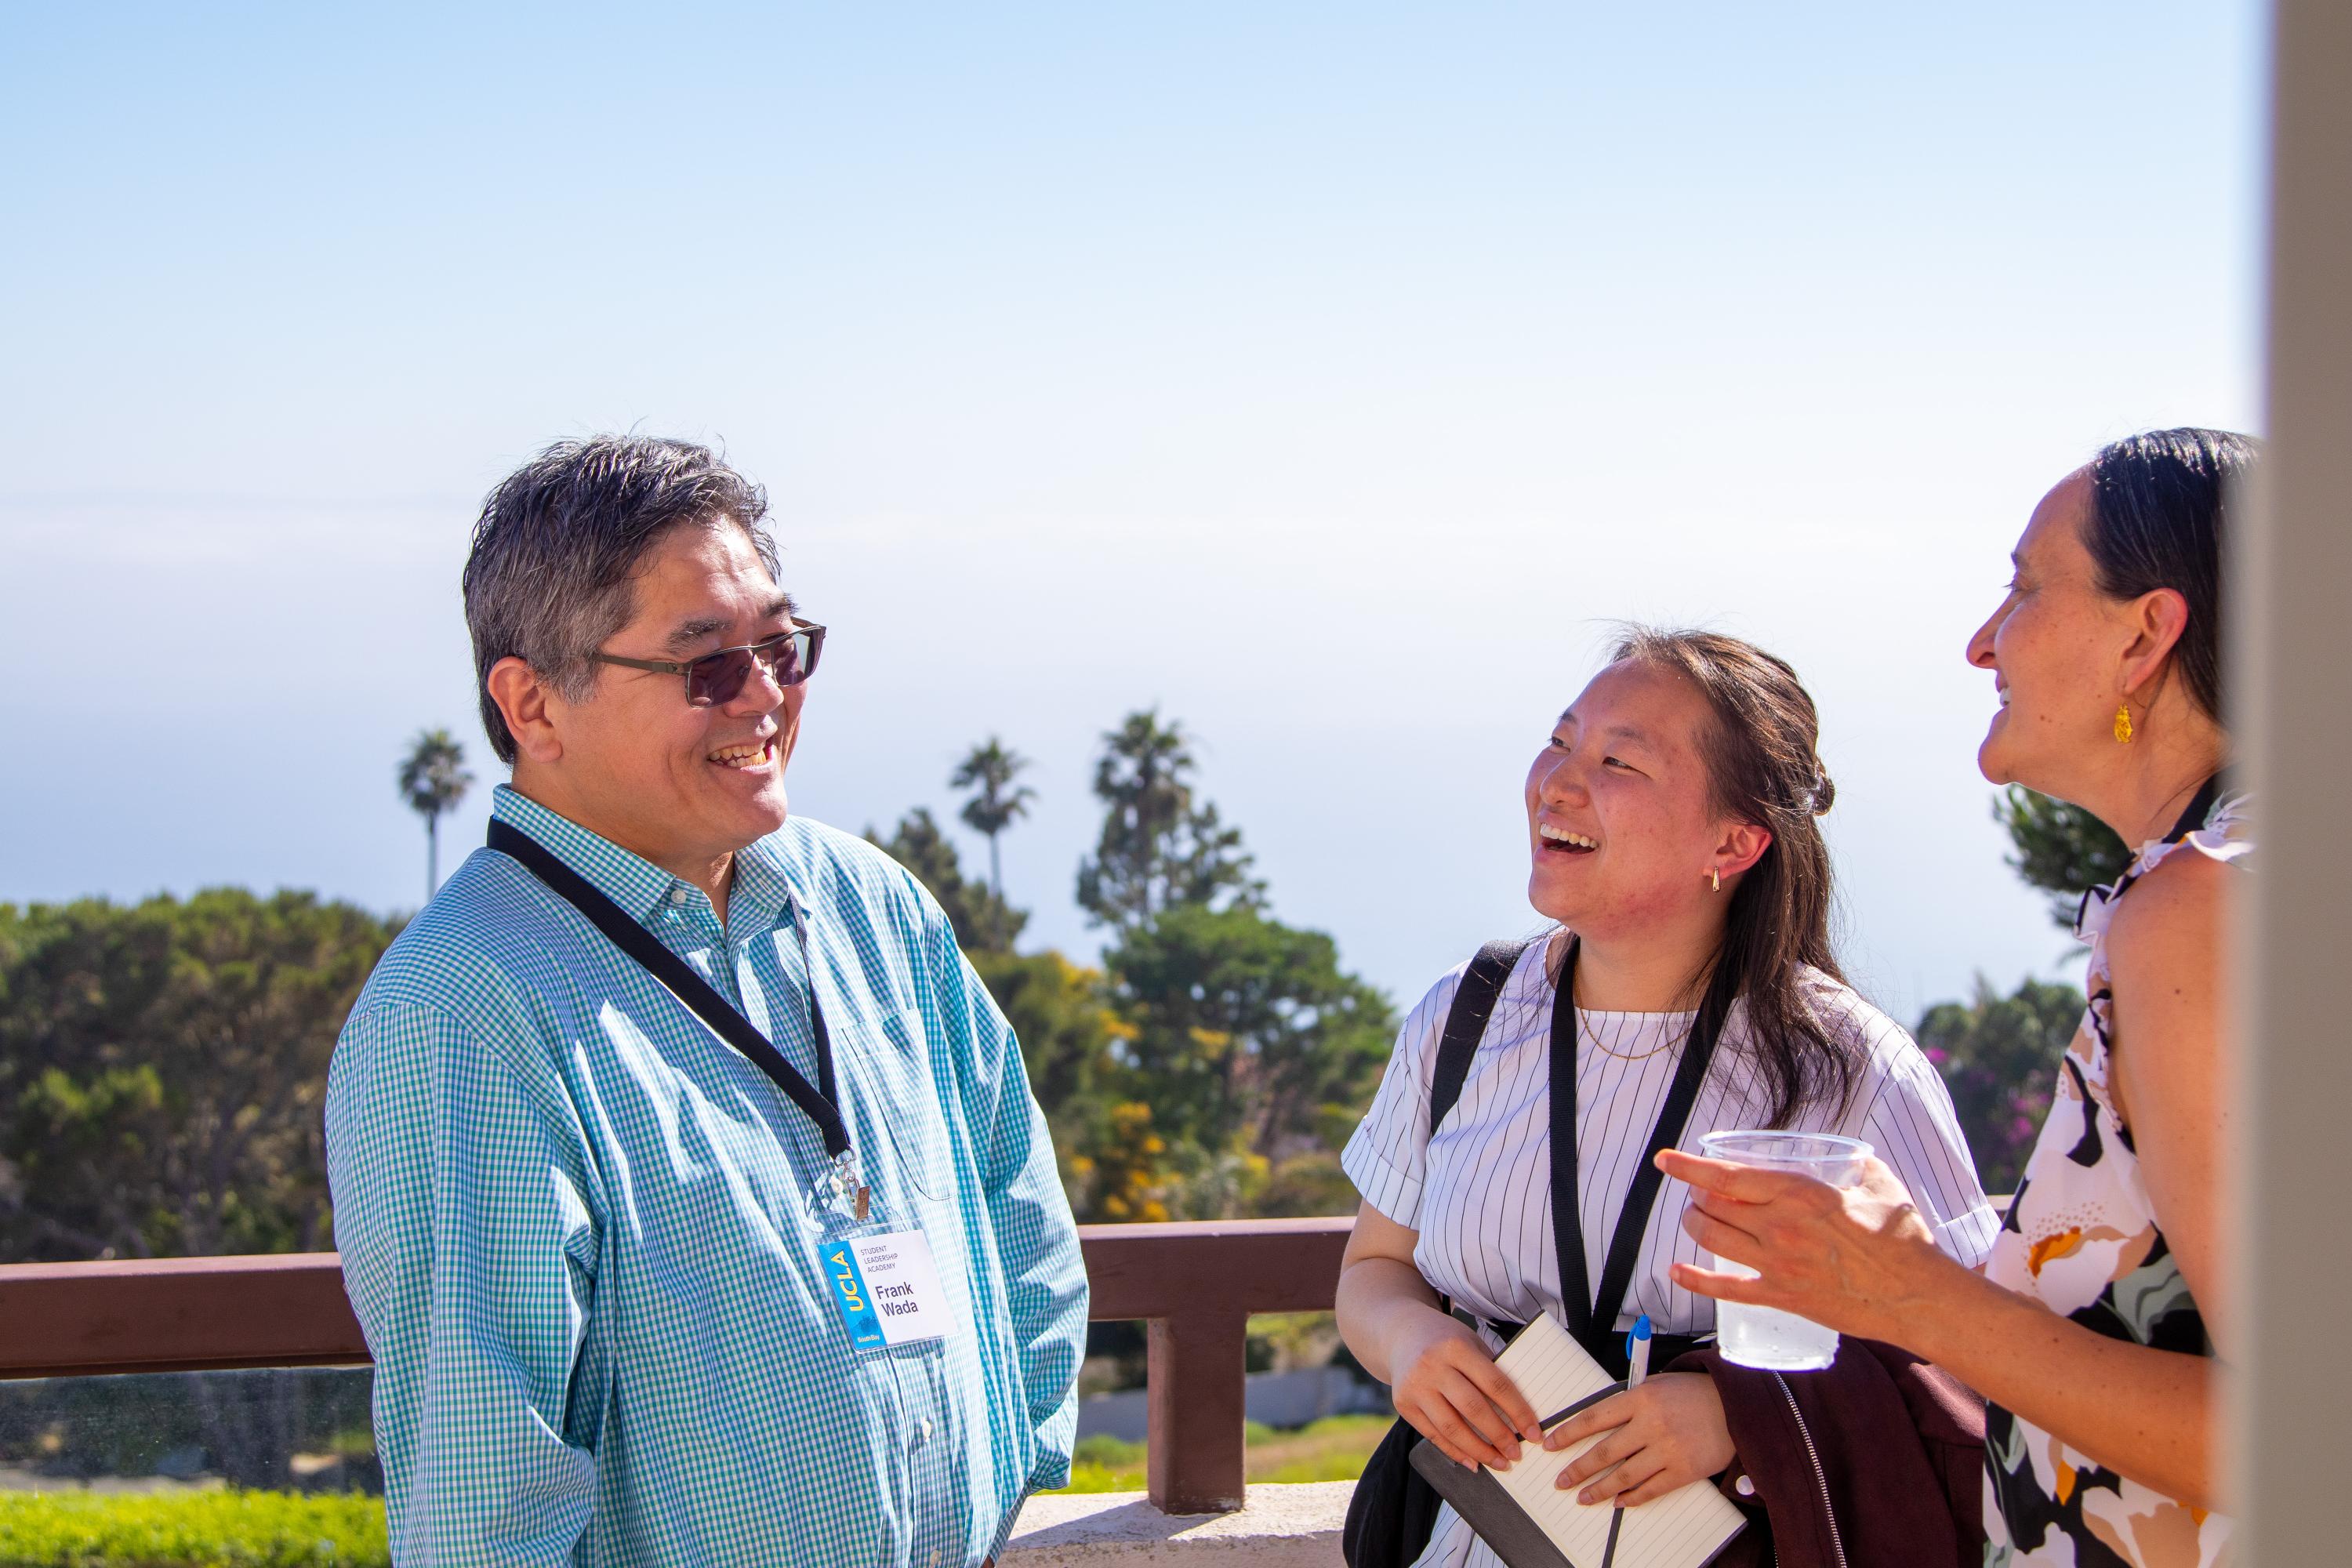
x=888, y=1289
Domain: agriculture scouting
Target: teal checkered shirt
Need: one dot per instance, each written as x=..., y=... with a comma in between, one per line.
x=580, y=1231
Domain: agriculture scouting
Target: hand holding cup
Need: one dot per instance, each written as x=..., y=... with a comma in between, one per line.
x=1852, y=1258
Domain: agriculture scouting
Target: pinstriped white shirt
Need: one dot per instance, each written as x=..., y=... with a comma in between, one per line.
x=1480, y=1192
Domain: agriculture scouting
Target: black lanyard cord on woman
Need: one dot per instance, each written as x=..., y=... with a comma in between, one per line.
x=820, y=1102
x=1592, y=1316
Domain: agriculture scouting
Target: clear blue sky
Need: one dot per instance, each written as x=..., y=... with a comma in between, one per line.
x=1329, y=375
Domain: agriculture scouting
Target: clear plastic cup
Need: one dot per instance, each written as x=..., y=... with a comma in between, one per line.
x=1765, y=1337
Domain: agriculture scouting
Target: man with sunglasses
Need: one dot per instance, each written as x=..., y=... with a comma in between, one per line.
x=688, y=1185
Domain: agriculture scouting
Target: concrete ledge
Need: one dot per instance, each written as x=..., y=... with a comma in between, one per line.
x=1282, y=1527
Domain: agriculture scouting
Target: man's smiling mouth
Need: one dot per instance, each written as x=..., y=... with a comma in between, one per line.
x=747, y=755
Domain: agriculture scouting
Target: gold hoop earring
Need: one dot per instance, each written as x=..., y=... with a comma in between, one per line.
x=1714, y=878
x=2123, y=731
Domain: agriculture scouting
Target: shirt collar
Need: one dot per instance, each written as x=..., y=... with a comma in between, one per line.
x=761, y=892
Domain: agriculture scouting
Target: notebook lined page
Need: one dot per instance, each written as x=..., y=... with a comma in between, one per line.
x=1681, y=1530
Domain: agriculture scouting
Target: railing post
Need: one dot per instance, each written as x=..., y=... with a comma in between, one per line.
x=1194, y=1461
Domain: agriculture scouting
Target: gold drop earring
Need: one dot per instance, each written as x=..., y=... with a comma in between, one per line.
x=2123, y=731
x=1715, y=878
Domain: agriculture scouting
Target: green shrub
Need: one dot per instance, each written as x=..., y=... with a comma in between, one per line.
x=1999, y=1055
x=1331, y=1449
x=1104, y=1479
x=191, y=1530
x=1112, y=1452
x=233, y=1529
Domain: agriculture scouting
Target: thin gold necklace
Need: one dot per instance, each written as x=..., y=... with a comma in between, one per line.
x=1587, y=1031
x=1584, y=1026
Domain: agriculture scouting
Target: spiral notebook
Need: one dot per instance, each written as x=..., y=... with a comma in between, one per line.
x=1531, y=1523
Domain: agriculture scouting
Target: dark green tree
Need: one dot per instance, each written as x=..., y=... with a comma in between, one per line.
x=1306, y=1185
x=1246, y=1035
x=1059, y=1013
x=1159, y=848
x=989, y=771
x=983, y=922
x=2060, y=847
x=162, y=1070
x=433, y=779
x=1114, y=1166
x=164, y=1067
x=1999, y=1055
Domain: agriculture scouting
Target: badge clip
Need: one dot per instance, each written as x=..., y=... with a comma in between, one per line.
x=847, y=1189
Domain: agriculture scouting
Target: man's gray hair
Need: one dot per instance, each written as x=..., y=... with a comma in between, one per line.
x=559, y=542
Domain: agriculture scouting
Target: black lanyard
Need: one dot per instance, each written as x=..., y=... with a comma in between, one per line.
x=820, y=1105
x=1592, y=1319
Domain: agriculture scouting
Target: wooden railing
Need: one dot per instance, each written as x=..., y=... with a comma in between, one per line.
x=1194, y=1285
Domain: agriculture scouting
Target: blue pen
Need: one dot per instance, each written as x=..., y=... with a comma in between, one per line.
x=1637, y=1362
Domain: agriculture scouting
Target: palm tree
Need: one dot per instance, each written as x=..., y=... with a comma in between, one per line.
x=990, y=770
x=1159, y=846
x=433, y=780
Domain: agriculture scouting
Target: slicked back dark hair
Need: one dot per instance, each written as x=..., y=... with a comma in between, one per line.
x=1762, y=766
x=2158, y=502
x=559, y=542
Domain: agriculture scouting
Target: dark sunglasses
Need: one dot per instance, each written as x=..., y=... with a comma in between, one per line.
x=789, y=657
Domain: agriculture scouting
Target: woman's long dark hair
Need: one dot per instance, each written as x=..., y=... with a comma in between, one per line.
x=1762, y=763
x=2159, y=506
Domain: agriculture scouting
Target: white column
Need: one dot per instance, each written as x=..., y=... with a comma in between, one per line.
x=2292, y=612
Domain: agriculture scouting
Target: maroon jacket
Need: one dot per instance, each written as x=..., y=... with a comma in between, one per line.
x=1877, y=1460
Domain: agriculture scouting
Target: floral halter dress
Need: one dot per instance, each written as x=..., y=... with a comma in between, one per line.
x=2082, y=1238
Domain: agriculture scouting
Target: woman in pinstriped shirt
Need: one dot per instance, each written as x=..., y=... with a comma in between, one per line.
x=1672, y=827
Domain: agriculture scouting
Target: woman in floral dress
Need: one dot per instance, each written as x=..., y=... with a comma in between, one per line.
x=2094, y=1328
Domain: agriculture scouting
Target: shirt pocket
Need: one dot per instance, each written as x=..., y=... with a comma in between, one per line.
x=910, y=1106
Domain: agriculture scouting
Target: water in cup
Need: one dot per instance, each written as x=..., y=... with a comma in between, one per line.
x=1770, y=1338
x=1765, y=1337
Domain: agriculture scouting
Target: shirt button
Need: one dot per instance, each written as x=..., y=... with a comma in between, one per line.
x=923, y=1430
x=677, y=895
x=1743, y=1486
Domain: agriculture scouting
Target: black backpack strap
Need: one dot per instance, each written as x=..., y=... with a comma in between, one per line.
x=1466, y=1023
x=1393, y=1509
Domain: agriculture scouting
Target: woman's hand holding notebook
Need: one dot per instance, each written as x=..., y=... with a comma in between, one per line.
x=1685, y=1529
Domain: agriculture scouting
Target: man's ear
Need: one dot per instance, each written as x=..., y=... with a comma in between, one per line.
x=2159, y=618
x=1743, y=845
x=522, y=698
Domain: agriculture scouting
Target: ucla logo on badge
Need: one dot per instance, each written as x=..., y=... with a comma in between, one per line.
x=851, y=1296
x=845, y=1277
